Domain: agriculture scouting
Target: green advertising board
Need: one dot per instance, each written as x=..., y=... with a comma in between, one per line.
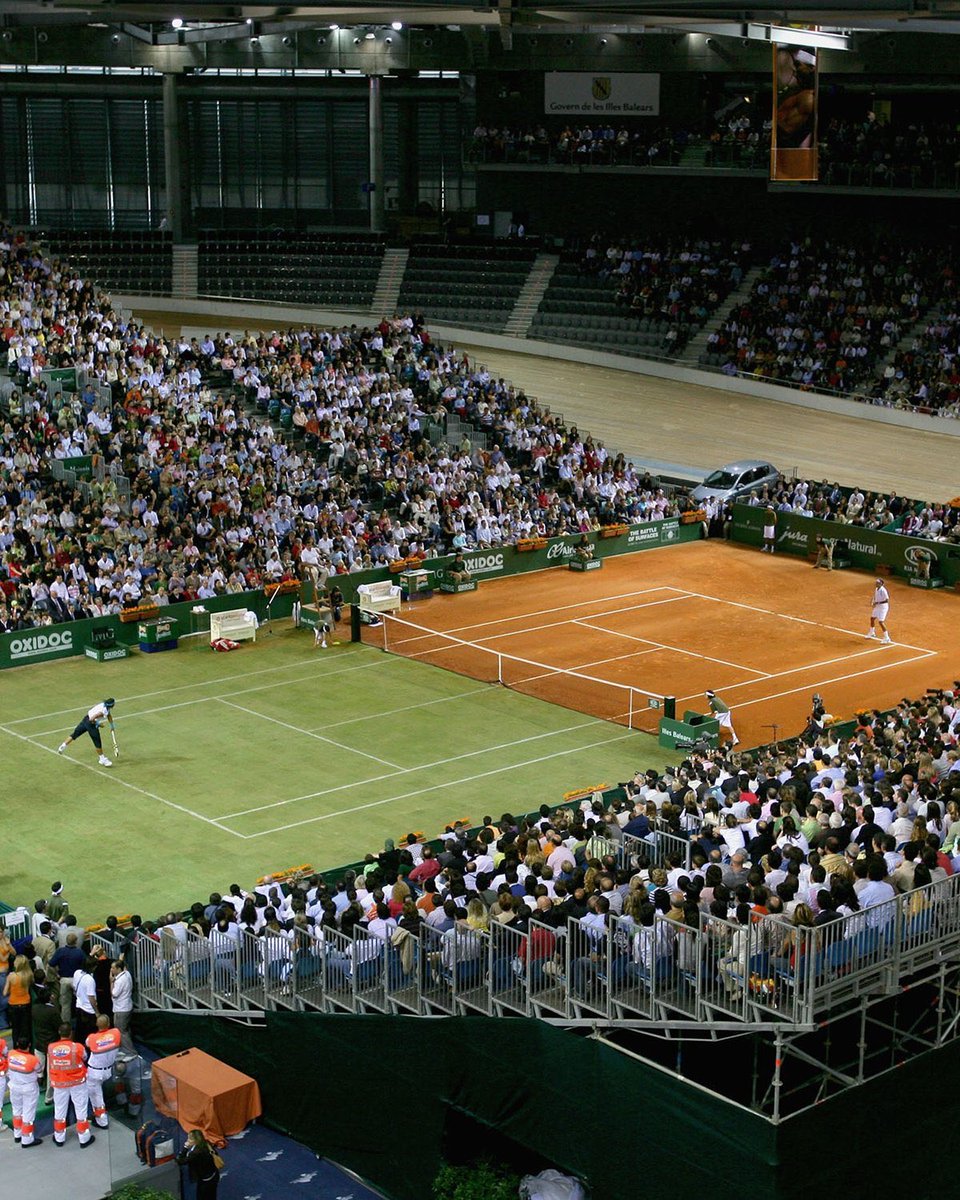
x=498, y=561
x=63, y=641
x=82, y=465
x=865, y=548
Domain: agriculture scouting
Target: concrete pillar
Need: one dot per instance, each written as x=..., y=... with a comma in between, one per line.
x=377, y=218
x=172, y=160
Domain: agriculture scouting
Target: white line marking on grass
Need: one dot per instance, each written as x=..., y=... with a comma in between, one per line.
x=663, y=646
x=384, y=762
x=802, y=620
x=180, y=687
x=391, y=712
x=260, y=687
x=440, y=762
x=112, y=777
x=437, y=787
x=823, y=682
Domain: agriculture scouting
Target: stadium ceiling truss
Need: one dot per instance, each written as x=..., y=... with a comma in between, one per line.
x=151, y=22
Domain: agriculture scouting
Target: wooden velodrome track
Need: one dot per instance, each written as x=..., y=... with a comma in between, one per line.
x=765, y=631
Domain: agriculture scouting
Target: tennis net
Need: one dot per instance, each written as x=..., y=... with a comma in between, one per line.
x=621, y=703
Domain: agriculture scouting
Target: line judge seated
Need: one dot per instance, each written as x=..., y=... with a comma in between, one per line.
x=457, y=571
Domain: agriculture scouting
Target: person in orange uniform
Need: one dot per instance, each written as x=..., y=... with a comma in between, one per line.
x=102, y=1048
x=25, y=1069
x=66, y=1063
x=3, y=1074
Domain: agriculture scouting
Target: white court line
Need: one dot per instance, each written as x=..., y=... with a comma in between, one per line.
x=440, y=762
x=825, y=662
x=599, y=662
x=391, y=712
x=112, y=777
x=491, y=637
x=260, y=687
x=676, y=649
x=384, y=762
x=541, y=612
x=824, y=682
x=180, y=687
x=436, y=787
x=803, y=620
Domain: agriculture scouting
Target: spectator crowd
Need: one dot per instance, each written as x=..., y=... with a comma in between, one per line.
x=807, y=833
x=824, y=313
x=218, y=502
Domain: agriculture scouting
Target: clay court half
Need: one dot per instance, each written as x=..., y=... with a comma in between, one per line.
x=766, y=632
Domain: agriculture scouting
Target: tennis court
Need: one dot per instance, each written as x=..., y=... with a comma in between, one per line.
x=765, y=632
x=232, y=766
x=235, y=765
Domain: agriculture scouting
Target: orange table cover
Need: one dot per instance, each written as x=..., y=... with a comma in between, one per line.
x=200, y=1092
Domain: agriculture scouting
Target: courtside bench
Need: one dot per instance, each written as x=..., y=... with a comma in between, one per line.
x=378, y=597
x=237, y=624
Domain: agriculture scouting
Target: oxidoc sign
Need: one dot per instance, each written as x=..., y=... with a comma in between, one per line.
x=601, y=94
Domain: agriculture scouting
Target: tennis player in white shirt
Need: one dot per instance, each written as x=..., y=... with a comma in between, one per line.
x=878, y=613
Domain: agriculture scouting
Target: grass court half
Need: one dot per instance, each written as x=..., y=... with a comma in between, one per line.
x=235, y=765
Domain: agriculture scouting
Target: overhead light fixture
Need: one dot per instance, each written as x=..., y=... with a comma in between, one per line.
x=369, y=37
x=177, y=22
x=334, y=27
x=396, y=26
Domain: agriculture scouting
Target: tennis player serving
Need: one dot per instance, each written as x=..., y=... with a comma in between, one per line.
x=99, y=715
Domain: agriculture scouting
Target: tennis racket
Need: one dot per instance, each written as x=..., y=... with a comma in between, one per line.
x=116, y=748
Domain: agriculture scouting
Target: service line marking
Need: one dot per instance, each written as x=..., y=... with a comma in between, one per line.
x=384, y=762
x=260, y=687
x=675, y=649
x=903, y=662
x=802, y=620
x=180, y=687
x=440, y=762
x=437, y=787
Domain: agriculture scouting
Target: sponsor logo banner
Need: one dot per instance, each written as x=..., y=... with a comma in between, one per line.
x=484, y=564
x=618, y=93
x=40, y=644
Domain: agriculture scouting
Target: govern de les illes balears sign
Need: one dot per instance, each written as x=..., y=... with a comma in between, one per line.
x=601, y=93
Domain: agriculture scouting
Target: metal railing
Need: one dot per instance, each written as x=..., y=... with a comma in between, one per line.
x=656, y=850
x=767, y=971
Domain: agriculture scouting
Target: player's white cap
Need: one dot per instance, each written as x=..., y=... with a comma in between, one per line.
x=879, y=581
